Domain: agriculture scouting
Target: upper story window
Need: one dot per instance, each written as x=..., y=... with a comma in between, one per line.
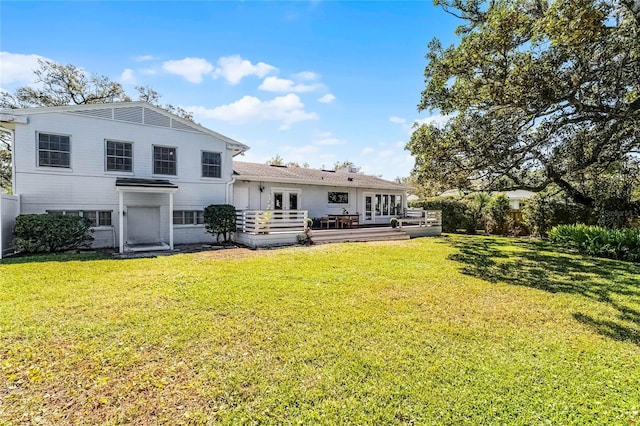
x=54, y=150
x=164, y=160
x=211, y=164
x=119, y=156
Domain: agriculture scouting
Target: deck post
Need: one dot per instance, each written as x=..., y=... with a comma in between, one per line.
x=171, y=220
x=121, y=220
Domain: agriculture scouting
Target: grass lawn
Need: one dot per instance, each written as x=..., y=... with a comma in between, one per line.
x=451, y=330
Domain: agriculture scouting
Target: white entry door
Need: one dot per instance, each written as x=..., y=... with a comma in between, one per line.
x=143, y=225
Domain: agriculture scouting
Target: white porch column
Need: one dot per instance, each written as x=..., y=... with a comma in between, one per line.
x=121, y=220
x=171, y=220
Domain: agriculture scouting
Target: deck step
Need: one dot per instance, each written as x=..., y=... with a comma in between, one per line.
x=358, y=235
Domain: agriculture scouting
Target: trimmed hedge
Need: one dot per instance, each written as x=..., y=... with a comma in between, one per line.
x=622, y=244
x=453, y=212
x=38, y=233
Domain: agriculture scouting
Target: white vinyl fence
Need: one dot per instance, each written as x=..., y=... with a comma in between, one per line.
x=9, y=210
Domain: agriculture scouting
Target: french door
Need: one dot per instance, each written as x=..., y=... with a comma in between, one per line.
x=286, y=199
x=368, y=207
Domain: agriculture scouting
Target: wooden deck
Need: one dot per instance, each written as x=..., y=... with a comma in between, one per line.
x=375, y=233
x=378, y=233
x=265, y=228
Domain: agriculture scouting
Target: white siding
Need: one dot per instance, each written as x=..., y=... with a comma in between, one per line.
x=87, y=148
x=313, y=198
x=189, y=234
x=87, y=186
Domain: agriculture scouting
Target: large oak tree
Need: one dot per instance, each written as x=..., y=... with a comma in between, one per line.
x=538, y=93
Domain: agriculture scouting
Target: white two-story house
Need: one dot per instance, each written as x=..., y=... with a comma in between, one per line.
x=140, y=174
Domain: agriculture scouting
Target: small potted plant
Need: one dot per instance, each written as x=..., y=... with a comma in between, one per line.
x=394, y=222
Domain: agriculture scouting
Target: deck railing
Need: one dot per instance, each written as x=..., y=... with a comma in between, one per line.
x=421, y=217
x=271, y=221
x=433, y=217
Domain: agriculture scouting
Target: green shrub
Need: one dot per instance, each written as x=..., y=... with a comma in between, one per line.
x=537, y=214
x=543, y=211
x=475, y=213
x=498, y=211
x=38, y=233
x=393, y=222
x=220, y=220
x=453, y=211
x=622, y=244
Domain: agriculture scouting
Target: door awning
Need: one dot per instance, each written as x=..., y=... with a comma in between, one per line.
x=145, y=185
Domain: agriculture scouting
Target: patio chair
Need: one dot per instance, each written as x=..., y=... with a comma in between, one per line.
x=328, y=221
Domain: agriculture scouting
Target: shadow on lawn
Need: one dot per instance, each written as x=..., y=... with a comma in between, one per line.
x=539, y=265
x=56, y=257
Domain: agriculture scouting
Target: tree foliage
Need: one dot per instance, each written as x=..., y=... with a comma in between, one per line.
x=59, y=85
x=538, y=94
x=5, y=162
x=277, y=160
x=498, y=211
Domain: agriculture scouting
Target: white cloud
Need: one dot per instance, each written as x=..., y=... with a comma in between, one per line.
x=18, y=68
x=128, y=76
x=327, y=99
x=368, y=151
x=306, y=76
x=287, y=109
x=388, y=159
x=192, y=69
x=397, y=120
x=300, y=154
x=328, y=141
x=234, y=68
x=275, y=84
x=144, y=58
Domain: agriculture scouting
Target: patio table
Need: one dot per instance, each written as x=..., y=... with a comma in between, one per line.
x=345, y=220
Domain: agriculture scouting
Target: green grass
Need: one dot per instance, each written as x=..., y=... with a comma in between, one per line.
x=453, y=330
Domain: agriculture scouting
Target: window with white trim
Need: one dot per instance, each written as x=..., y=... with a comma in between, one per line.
x=211, y=164
x=188, y=217
x=96, y=217
x=164, y=160
x=119, y=156
x=54, y=150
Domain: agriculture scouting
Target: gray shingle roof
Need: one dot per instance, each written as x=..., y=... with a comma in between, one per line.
x=301, y=175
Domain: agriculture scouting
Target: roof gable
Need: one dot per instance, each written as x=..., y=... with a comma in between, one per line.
x=132, y=112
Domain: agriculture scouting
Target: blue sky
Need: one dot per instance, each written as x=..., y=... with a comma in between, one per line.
x=315, y=82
